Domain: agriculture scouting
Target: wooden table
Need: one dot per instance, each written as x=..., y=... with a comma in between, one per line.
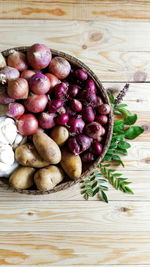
x=113, y=38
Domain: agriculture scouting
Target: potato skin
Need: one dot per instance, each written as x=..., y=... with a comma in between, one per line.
x=47, y=178
x=27, y=155
x=47, y=148
x=22, y=178
x=59, y=134
x=71, y=164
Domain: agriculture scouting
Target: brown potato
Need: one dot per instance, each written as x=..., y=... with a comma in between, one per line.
x=71, y=164
x=22, y=178
x=47, y=148
x=59, y=134
x=27, y=155
x=47, y=178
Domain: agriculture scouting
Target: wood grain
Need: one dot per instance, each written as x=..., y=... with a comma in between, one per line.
x=115, y=50
x=75, y=9
x=75, y=216
x=140, y=185
x=67, y=249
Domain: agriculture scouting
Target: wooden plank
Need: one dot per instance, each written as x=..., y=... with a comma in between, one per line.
x=75, y=216
x=70, y=249
x=105, y=46
x=140, y=185
x=71, y=9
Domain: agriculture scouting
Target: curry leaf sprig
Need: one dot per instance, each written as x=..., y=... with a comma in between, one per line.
x=123, y=129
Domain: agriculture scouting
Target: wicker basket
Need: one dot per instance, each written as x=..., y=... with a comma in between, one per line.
x=66, y=184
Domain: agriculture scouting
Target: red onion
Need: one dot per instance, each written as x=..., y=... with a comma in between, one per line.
x=39, y=56
x=103, y=109
x=18, y=89
x=87, y=157
x=27, y=74
x=60, y=67
x=27, y=124
x=60, y=90
x=15, y=110
x=90, y=97
x=94, y=130
x=61, y=110
x=8, y=74
x=47, y=120
x=76, y=105
x=62, y=119
x=88, y=114
x=76, y=125
x=54, y=105
x=17, y=60
x=73, y=90
x=5, y=99
x=79, y=143
x=90, y=85
x=81, y=74
x=39, y=84
x=70, y=112
x=102, y=119
x=53, y=80
x=97, y=148
x=103, y=131
x=99, y=101
x=36, y=103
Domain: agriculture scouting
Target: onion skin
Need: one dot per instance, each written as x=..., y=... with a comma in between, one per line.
x=87, y=157
x=18, y=89
x=94, y=130
x=81, y=74
x=17, y=60
x=79, y=143
x=5, y=99
x=103, y=109
x=2, y=61
x=27, y=124
x=27, y=74
x=76, y=105
x=8, y=74
x=60, y=67
x=90, y=85
x=15, y=110
x=62, y=119
x=47, y=120
x=53, y=80
x=102, y=119
x=60, y=91
x=36, y=103
x=97, y=148
x=39, y=84
x=88, y=114
x=39, y=56
x=76, y=125
x=73, y=90
x=54, y=105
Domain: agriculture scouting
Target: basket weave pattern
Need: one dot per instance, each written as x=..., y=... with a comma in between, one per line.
x=64, y=185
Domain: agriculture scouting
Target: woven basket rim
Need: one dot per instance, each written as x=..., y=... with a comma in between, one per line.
x=62, y=186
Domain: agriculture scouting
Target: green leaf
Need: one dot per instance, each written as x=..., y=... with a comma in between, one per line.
x=129, y=120
x=133, y=131
x=122, y=105
x=118, y=137
x=95, y=184
x=112, y=98
x=121, y=151
x=103, y=196
x=113, y=145
x=87, y=181
x=128, y=190
x=117, y=174
x=110, y=151
x=95, y=191
x=124, y=145
x=124, y=112
x=92, y=178
x=117, y=112
x=86, y=196
x=103, y=187
x=86, y=186
x=107, y=158
x=102, y=181
x=117, y=158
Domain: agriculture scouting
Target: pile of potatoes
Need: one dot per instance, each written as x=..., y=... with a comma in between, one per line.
x=43, y=163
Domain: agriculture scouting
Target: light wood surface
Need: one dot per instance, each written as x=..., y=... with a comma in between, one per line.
x=61, y=229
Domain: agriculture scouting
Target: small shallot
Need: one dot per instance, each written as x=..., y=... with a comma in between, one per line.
x=27, y=124
x=17, y=60
x=47, y=120
x=18, y=89
x=39, y=84
x=39, y=56
x=60, y=67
